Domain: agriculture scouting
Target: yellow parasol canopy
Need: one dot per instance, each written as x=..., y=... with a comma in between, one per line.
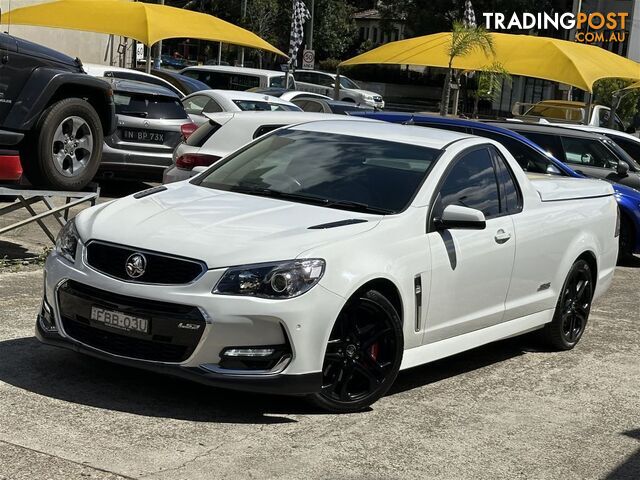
x=145, y=22
x=561, y=61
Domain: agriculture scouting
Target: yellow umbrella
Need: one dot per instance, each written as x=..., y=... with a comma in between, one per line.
x=561, y=61
x=145, y=22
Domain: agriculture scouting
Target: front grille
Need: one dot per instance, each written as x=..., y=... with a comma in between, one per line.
x=165, y=342
x=160, y=269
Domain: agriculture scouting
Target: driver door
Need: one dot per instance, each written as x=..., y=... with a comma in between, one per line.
x=471, y=269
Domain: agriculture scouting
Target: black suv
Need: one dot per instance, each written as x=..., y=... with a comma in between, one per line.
x=52, y=113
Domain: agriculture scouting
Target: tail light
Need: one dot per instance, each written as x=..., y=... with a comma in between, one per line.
x=10, y=167
x=189, y=160
x=187, y=129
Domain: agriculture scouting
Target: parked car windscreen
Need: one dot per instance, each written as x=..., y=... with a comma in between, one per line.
x=332, y=170
x=147, y=106
x=254, y=105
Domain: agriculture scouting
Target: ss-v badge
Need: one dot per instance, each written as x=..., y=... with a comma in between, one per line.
x=189, y=326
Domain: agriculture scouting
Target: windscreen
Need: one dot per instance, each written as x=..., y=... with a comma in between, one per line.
x=256, y=105
x=332, y=170
x=148, y=106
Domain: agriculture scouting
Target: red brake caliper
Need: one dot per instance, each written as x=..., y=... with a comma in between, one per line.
x=375, y=348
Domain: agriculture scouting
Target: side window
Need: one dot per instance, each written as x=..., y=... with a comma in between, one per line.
x=592, y=153
x=527, y=157
x=472, y=183
x=301, y=77
x=212, y=107
x=309, y=105
x=325, y=80
x=511, y=197
x=548, y=143
x=194, y=105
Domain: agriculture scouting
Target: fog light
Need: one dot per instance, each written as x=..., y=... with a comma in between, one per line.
x=248, y=352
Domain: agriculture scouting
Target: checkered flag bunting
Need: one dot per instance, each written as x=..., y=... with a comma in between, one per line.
x=469, y=16
x=298, y=17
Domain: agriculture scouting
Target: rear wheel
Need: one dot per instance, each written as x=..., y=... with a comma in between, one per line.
x=627, y=239
x=363, y=354
x=572, y=310
x=66, y=147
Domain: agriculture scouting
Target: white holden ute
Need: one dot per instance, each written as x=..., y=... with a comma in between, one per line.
x=324, y=257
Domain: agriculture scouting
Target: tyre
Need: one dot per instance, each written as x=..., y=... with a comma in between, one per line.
x=363, y=354
x=66, y=146
x=572, y=311
x=627, y=240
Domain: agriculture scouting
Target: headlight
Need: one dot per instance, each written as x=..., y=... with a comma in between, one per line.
x=368, y=98
x=285, y=279
x=67, y=241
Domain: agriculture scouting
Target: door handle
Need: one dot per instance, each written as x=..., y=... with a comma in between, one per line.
x=502, y=236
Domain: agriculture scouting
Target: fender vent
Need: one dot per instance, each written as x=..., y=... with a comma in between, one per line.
x=341, y=223
x=149, y=191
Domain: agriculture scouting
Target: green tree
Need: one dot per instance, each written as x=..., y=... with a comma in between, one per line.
x=464, y=40
x=334, y=28
x=604, y=89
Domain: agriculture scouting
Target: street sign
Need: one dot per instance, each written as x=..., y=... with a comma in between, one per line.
x=308, y=59
x=139, y=51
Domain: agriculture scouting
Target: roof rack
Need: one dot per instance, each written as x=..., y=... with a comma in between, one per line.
x=26, y=198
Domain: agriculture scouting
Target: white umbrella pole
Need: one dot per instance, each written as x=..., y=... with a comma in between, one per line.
x=147, y=65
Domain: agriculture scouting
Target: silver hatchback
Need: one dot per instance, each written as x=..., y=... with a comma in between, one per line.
x=151, y=123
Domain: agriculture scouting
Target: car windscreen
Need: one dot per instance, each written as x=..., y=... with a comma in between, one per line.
x=326, y=169
x=256, y=105
x=148, y=106
x=622, y=154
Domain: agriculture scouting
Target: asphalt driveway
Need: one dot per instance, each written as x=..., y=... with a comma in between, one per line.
x=507, y=410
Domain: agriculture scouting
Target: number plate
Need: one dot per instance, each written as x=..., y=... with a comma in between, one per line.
x=143, y=136
x=119, y=320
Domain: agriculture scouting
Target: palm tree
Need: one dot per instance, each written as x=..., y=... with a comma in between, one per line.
x=464, y=40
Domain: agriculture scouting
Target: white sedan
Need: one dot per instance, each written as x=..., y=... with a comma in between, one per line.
x=215, y=101
x=323, y=258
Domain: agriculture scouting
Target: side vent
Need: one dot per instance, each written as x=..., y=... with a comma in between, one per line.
x=417, y=290
x=341, y=223
x=149, y=191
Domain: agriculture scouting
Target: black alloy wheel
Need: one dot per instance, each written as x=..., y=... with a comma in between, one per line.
x=363, y=354
x=572, y=310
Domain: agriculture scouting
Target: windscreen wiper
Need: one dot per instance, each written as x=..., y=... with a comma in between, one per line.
x=313, y=199
x=135, y=114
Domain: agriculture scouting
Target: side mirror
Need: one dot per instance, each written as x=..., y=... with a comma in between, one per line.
x=631, y=130
x=585, y=158
x=622, y=168
x=456, y=216
x=553, y=170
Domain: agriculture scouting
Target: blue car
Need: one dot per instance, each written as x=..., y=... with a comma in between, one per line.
x=531, y=158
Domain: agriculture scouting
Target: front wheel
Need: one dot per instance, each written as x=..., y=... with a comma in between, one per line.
x=572, y=310
x=67, y=146
x=363, y=354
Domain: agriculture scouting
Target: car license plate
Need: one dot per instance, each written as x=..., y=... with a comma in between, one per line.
x=119, y=320
x=145, y=136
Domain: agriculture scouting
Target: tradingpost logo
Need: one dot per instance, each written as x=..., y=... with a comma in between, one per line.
x=593, y=27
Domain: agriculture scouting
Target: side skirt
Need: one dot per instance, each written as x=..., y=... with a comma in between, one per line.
x=450, y=346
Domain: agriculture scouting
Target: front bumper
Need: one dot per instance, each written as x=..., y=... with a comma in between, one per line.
x=274, y=384
x=304, y=323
